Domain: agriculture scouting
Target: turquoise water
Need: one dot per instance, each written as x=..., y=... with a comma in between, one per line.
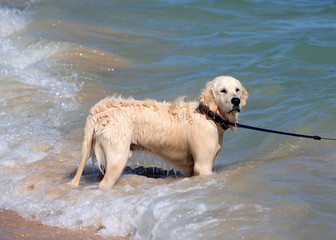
x=58, y=58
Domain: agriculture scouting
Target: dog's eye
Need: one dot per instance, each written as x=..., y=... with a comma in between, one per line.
x=237, y=90
x=223, y=90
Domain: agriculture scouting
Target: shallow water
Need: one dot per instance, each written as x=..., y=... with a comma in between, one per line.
x=58, y=58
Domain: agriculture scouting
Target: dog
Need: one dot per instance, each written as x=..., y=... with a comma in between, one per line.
x=180, y=132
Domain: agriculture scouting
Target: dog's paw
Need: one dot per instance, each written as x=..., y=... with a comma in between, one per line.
x=72, y=183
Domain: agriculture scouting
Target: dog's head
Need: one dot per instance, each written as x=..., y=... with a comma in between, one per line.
x=225, y=96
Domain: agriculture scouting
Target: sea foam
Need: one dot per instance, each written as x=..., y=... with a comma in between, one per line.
x=34, y=99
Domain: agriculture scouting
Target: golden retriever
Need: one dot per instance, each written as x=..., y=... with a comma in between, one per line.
x=180, y=132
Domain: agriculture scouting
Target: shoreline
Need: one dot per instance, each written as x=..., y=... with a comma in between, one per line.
x=12, y=226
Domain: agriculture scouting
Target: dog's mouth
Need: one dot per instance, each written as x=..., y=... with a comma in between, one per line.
x=235, y=109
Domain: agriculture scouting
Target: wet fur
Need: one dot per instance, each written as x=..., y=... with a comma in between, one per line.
x=177, y=131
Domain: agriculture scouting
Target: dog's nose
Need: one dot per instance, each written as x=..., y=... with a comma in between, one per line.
x=235, y=101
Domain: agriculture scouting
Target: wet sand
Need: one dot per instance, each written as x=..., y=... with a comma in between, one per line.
x=12, y=226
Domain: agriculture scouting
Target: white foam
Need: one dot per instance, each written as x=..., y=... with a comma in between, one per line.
x=3, y=147
x=236, y=207
x=143, y=214
x=10, y=21
x=29, y=67
x=28, y=156
x=32, y=54
x=25, y=74
x=150, y=210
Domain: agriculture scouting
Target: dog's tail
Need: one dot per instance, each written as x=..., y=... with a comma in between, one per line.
x=87, y=145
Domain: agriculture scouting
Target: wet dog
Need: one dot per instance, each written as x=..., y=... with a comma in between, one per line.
x=179, y=132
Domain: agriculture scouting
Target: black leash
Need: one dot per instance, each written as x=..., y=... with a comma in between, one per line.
x=225, y=125
x=282, y=133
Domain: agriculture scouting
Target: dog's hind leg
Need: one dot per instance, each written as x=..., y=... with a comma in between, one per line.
x=116, y=158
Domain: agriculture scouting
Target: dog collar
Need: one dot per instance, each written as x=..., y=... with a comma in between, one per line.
x=218, y=120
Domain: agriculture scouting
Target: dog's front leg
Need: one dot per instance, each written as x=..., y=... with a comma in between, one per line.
x=204, y=159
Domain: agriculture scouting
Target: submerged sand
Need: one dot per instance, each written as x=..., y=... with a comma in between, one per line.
x=12, y=226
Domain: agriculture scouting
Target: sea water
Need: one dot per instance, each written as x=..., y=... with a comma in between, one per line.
x=58, y=58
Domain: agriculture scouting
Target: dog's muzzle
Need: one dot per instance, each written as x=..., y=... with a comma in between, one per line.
x=235, y=102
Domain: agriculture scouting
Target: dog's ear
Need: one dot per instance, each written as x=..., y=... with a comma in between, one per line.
x=207, y=97
x=243, y=97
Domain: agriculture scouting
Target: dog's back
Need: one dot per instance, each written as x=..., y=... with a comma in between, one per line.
x=158, y=127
